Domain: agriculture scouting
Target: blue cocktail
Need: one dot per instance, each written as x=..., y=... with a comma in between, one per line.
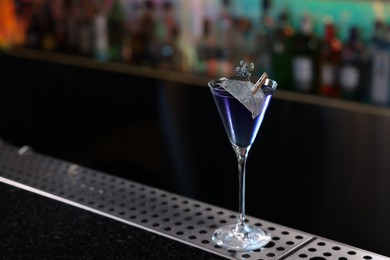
x=241, y=127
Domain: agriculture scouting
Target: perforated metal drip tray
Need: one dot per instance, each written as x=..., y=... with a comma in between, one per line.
x=171, y=215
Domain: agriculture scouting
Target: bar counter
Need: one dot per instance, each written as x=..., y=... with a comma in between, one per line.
x=53, y=209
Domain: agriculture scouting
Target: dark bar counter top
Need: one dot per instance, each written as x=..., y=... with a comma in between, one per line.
x=53, y=209
x=36, y=227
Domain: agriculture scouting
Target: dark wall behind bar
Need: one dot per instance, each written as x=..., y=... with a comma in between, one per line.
x=322, y=170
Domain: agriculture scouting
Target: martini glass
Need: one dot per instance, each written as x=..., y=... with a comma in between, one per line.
x=241, y=129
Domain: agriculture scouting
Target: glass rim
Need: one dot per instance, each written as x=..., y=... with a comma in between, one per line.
x=268, y=82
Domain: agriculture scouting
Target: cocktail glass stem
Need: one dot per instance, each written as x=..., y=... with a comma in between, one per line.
x=242, y=156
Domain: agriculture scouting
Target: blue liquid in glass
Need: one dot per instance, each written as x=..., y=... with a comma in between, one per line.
x=237, y=119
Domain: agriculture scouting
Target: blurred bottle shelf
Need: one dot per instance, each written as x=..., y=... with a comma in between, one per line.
x=326, y=55
x=185, y=79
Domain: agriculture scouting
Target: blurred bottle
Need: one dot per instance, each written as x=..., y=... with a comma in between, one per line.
x=244, y=42
x=73, y=16
x=262, y=44
x=59, y=16
x=167, y=36
x=207, y=51
x=305, y=53
x=281, y=53
x=145, y=46
x=33, y=33
x=330, y=61
x=14, y=21
x=201, y=49
x=85, y=27
x=47, y=26
x=380, y=81
x=100, y=31
x=132, y=9
x=40, y=33
x=368, y=57
x=225, y=39
x=116, y=23
x=351, y=66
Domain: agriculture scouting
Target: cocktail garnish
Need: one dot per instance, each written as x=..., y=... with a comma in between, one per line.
x=260, y=82
x=241, y=88
x=245, y=70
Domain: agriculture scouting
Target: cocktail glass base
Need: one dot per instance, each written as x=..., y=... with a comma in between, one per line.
x=241, y=237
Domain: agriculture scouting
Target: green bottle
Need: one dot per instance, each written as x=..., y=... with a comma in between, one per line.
x=281, y=52
x=304, y=58
x=116, y=30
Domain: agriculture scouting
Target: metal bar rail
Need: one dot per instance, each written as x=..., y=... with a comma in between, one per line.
x=155, y=210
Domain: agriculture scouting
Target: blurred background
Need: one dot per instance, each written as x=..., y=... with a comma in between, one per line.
x=120, y=86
